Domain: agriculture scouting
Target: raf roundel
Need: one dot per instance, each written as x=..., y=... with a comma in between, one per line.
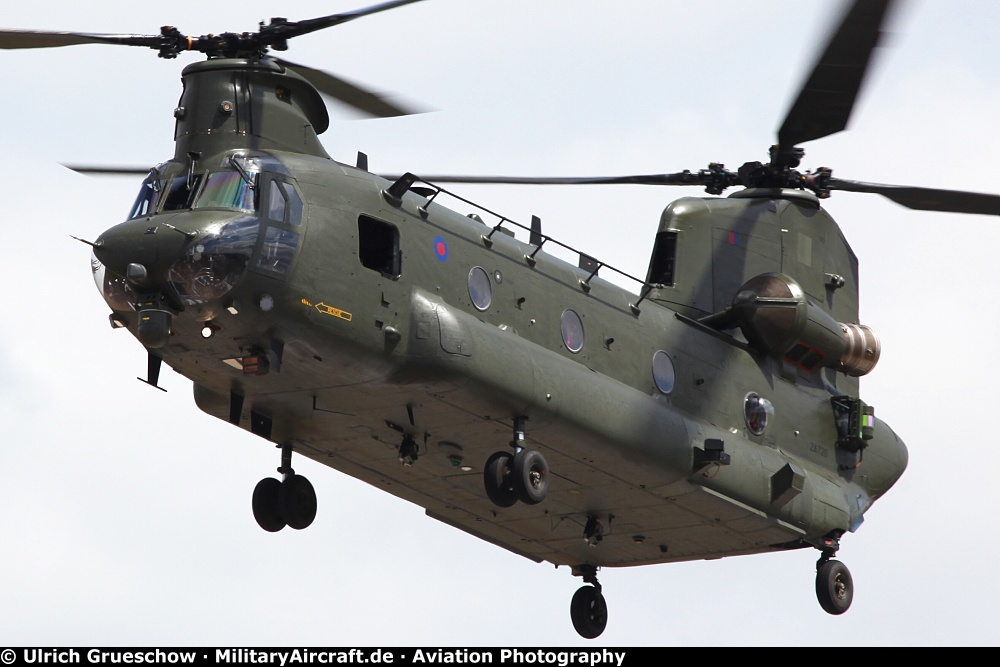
x=441, y=248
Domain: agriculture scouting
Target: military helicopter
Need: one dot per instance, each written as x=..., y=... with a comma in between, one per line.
x=431, y=376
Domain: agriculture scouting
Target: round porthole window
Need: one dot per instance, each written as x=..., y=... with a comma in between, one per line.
x=663, y=372
x=572, y=331
x=756, y=410
x=480, y=289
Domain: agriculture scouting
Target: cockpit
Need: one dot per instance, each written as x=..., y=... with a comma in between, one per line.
x=244, y=212
x=233, y=186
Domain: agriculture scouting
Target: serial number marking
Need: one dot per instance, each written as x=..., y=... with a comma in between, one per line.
x=818, y=449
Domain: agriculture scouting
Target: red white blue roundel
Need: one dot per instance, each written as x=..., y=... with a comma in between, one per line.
x=441, y=248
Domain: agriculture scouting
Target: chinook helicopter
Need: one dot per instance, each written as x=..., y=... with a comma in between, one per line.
x=695, y=383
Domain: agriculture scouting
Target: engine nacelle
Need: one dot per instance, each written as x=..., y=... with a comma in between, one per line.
x=777, y=318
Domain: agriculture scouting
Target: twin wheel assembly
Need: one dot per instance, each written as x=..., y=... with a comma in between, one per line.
x=289, y=502
x=523, y=475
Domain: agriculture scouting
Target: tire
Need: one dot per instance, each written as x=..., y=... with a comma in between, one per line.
x=834, y=587
x=530, y=476
x=497, y=480
x=298, y=502
x=267, y=505
x=589, y=612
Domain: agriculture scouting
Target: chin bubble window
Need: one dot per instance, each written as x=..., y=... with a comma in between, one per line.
x=756, y=411
x=572, y=331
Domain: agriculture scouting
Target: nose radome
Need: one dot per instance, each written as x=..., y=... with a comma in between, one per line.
x=140, y=251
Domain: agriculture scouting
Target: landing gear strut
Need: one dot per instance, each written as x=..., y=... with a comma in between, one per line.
x=588, y=610
x=522, y=476
x=289, y=502
x=834, y=584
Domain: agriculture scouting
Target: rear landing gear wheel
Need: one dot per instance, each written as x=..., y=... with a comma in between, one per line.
x=497, y=478
x=298, y=502
x=530, y=476
x=267, y=505
x=834, y=587
x=589, y=612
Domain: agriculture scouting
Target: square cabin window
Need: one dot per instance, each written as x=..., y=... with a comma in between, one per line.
x=378, y=246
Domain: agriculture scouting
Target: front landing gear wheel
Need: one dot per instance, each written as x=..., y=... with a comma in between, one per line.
x=497, y=480
x=267, y=505
x=834, y=587
x=589, y=612
x=530, y=476
x=298, y=501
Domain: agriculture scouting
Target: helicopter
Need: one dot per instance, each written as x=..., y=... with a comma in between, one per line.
x=411, y=427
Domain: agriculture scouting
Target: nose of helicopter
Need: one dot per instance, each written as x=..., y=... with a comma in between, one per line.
x=140, y=251
x=141, y=254
x=161, y=266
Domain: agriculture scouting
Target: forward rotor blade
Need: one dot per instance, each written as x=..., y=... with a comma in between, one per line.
x=108, y=171
x=296, y=28
x=40, y=39
x=825, y=101
x=349, y=93
x=926, y=199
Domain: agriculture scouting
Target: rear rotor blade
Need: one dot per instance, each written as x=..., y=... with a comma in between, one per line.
x=825, y=101
x=680, y=178
x=925, y=199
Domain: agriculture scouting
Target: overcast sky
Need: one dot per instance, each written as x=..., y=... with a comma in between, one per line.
x=125, y=511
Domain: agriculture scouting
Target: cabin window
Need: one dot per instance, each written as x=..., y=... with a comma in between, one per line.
x=378, y=246
x=664, y=259
x=480, y=288
x=229, y=189
x=663, y=372
x=572, y=331
x=756, y=410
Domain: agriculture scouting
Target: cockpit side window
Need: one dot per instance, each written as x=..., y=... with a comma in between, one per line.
x=278, y=250
x=282, y=211
x=149, y=196
x=275, y=202
x=283, y=203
